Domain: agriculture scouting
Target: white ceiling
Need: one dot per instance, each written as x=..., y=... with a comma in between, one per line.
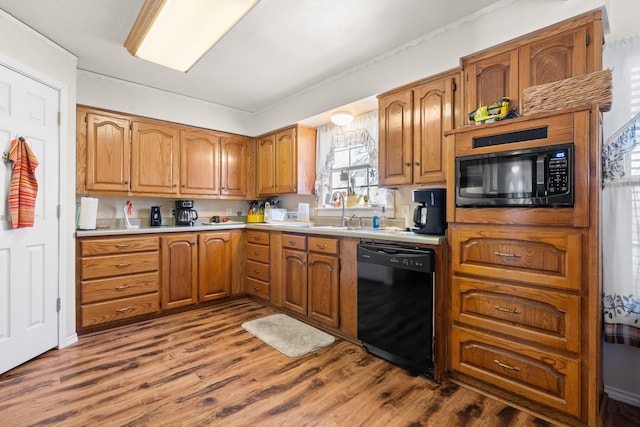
x=277, y=50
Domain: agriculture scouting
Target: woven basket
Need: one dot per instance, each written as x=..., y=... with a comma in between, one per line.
x=588, y=89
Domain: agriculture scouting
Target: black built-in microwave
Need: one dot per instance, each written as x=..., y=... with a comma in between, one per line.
x=537, y=177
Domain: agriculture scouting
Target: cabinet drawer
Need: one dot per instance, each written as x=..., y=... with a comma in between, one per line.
x=294, y=241
x=118, y=265
x=542, y=316
x=544, y=377
x=258, y=252
x=323, y=244
x=114, y=246
x=123, y=308
x=258, y=270
x=537, y=256
x=258, y=288
x=119, y=287
x=260, y=237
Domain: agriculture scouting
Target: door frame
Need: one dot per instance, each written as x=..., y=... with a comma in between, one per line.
x=66, y=182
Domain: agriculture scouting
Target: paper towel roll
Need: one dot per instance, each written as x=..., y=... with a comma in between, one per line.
x=88, y=213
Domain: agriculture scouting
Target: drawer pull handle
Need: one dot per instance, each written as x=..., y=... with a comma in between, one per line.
x=256, y=238
x=256, y=270
x=123, y=265
x=123, y=245
x=256, y=253
x=506, y=255
x=502, y=365
x=122, y=287
x=124, y=310
x=507, y=310
x=292, y=243
x=321, y=245
x=256, y=289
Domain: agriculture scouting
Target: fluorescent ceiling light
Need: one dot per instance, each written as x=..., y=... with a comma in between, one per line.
x=341, y=118
x=176, y=33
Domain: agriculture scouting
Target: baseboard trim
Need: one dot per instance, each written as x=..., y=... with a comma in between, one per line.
x=623, y=396
x=71, y=339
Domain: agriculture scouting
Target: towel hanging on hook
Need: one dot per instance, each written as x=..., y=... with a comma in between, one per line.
x=24, y=186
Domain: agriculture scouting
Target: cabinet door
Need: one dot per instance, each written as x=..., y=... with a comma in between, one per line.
x=323, y=288
x=199, y=160
x=214, y=267
x=179, y=270
x=554, y=58
x=234, y=165
x=294, y=280
x=154, y=158
x=490, y=78
x=395, y=139
x=432, y=116
x=108, y=151
x=286, y=169
x=266, y=162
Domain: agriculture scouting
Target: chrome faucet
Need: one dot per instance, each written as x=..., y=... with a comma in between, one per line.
x=344, y=218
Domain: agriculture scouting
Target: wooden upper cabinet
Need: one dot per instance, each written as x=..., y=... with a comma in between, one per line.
x=234, y=165
x=155, y=152
x=433, y=116
x=266, y=163
x=395, y=138
x=286, y=162
x=107, y=153
x=489, y=79
x=412, y=123
x=568, y=49
x=199, y=160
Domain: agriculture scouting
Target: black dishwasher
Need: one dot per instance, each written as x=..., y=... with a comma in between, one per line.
x=395, y=304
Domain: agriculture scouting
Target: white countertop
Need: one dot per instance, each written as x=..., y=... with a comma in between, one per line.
x=391, y=234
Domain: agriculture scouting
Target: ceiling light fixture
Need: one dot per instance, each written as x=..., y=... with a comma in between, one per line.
x=177, y=33
x=341, y=118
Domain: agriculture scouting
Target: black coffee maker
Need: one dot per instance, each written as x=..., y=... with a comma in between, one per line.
x=430, y=216
x=184, y=213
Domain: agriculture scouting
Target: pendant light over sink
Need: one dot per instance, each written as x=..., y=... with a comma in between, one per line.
x=177, y=33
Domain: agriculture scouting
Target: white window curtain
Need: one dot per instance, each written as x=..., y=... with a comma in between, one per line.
x=620, y=202
x=363, y=129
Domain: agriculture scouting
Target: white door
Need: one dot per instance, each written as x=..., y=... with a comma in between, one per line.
x=29, y=256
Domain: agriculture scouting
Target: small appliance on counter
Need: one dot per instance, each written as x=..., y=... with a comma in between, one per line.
x=155, y=217
x=430, y=216
x=184, y=213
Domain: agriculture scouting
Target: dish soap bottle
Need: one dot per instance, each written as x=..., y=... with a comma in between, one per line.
x=375, y=219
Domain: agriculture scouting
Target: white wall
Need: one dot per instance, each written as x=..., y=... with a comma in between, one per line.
x=24, y=50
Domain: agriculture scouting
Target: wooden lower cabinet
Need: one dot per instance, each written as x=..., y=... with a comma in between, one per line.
x=258, y=269
x=179, y=270
x=517, y=303
x=125, y=277
x=117, y=279
x=310, y=276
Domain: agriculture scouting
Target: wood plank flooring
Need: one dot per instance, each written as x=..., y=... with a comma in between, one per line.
x=200, y=368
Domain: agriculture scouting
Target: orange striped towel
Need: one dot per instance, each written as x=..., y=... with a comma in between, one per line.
x=24, y=187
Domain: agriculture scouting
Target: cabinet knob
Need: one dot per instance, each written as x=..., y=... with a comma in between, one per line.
x=407, y=164
x=417, y=163
x=126, y=182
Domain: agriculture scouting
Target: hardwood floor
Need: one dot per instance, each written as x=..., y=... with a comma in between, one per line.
x=200, y=368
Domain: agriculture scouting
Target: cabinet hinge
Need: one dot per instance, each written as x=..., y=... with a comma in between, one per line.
x=59, y=118
x=454, y=86
x=58, y=208
x=588, y=40
x=58, y=305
